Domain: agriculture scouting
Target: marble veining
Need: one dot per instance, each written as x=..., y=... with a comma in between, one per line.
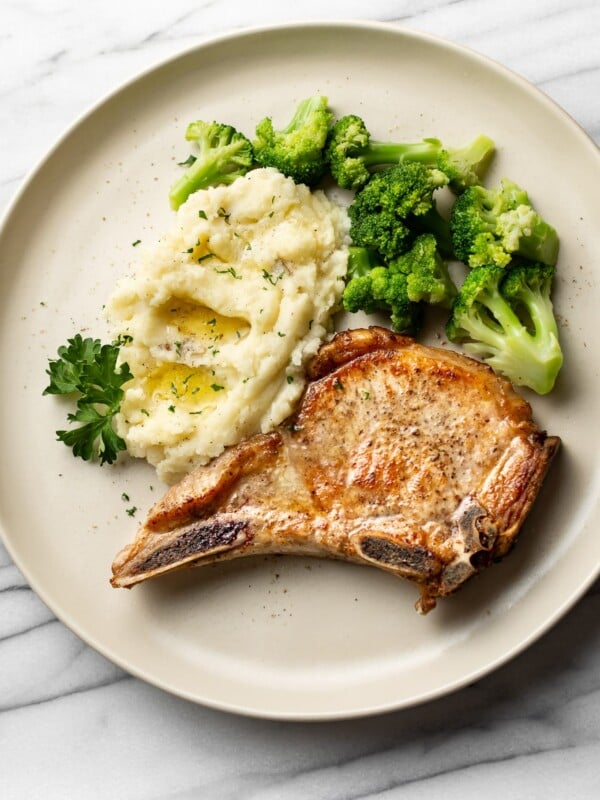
x=73, y=725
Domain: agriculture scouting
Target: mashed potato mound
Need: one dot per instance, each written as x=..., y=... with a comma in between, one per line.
x=223, y=314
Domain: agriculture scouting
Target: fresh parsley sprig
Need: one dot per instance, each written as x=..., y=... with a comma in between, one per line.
x=89, y=368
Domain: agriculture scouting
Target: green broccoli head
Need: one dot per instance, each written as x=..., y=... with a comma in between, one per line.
x=384, y=210
x=358, y=296
x=373, y=287
x=426, y=273
x=224, y=154
x=352, y=155
x=406, y=316
x=380, y=230
x=506, y=318
x=297, y=150
x=347, y=143
x=491, y=226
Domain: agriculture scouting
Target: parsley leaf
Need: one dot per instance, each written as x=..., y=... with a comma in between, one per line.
x=89, y=368
x=65, y=372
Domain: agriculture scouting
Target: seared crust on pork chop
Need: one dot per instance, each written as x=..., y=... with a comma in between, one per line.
x=414, y=459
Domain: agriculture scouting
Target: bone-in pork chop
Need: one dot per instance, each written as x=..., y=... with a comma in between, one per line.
x=414, y=459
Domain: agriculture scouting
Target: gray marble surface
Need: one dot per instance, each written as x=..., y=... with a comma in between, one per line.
x=72, y=725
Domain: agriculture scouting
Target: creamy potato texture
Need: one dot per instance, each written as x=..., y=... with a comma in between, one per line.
x=223, y=314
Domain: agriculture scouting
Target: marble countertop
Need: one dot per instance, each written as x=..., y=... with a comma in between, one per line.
x=73, y=725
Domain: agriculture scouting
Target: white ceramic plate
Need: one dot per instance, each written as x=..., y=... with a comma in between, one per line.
x=287, y=638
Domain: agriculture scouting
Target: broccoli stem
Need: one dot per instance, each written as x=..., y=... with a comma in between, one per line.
x=380, y=153
x=490, y=339
x=302, y=113
x=360, y=261
x=540, y=310
x=542, y=245
x=502, y=312
x=198, y=176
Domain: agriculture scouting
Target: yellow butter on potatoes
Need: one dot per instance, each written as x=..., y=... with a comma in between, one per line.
x=223, y=314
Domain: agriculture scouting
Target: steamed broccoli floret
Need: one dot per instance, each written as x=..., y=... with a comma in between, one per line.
x=490, y=226
x=384, y=213
x=298, y=150
x=400, y=287
x=374, y=287
x=352, y=155
x=224, y=155
x=506, y=318
x=426, y=273
x=361, y=260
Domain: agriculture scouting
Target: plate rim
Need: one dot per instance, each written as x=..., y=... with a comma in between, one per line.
x=64, y=616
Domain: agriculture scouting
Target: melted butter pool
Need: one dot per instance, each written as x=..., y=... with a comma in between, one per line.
x=200, y=322
x=182, y=386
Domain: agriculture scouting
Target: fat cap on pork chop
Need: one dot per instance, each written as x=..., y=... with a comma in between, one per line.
x=417, y=460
